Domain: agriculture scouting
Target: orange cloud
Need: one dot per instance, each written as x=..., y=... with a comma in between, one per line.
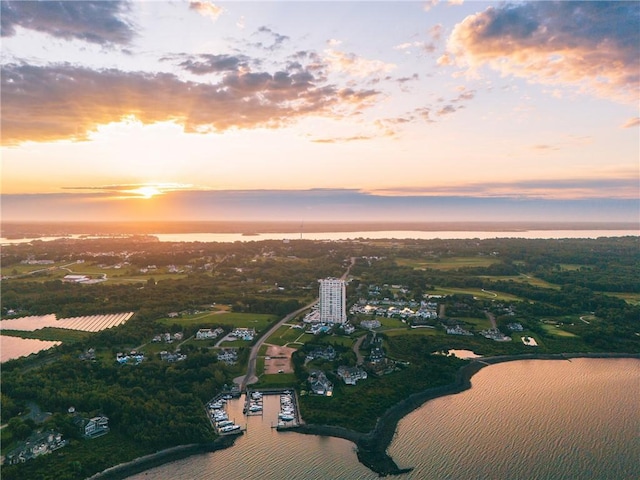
x=66, y=102
x=632, y=122
x=354, y=65
x=591, y=45
x=208, y=9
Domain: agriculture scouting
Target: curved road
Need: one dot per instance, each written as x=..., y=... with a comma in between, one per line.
x=250, y=377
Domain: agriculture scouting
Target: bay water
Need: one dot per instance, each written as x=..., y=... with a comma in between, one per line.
x=526, y=419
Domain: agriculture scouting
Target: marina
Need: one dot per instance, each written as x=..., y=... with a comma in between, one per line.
x=223, y=409
x=218, y=416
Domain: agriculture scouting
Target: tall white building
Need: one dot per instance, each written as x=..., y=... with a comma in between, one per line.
x=333, y=299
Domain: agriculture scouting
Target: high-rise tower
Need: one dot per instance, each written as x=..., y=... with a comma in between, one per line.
x=333, y=299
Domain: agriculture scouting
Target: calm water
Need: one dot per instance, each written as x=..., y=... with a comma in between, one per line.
x=531, y=419
x=238, y=237
x=15, y=347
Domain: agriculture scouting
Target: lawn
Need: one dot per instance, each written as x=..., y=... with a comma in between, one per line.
x=477, y=323
x=553, y=330
x=422, y=331
x=452, y=263
x=338, y=340
x=476, y=292
x=285, y=334
x=259, y=321
x=260, y=366
x=391, y=323
x=277, y=380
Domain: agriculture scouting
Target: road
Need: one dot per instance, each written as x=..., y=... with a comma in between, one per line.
x=250, y=377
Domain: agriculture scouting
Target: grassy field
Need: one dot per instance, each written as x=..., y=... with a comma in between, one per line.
x=452, y=263
x=220, y=317
x=259, y=366
x=285, y=334
x=477, y=323
x=476, y=292
x=423, y=331
x=391, y=323
x=536, y=282
x=52, y=334
x=630, y=298
x=570, y=266
x=553, y=330
x=344, y=341
x=277, y=380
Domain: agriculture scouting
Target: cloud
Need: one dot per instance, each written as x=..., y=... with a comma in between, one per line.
x=593, y=46
x=446, y=110
x=312, y=205
x=429, y=4
x=101, y=22
x=66, y=102
x=632, y=122
x=569, y=188
x=427, y=47
x=207, y=9
x=278, y=39
x=354, y=138
x=209, y=63
x=436, y=31
x=351, y=64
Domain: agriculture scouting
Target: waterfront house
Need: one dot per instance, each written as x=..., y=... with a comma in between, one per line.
x=95, y=427
x=36, y=445
x=351, y=375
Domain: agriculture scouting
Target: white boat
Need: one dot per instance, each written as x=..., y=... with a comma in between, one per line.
x=255, y=408
x=256, y=395
x=230, y=428
x=287, y=417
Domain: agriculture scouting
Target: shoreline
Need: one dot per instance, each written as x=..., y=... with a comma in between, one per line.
x=371, y=446
x=168, y=455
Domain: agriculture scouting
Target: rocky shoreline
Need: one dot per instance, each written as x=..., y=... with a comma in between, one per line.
x=125, y=470
x=371, y=446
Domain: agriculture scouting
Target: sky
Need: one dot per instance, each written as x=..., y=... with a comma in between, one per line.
x=426, y=111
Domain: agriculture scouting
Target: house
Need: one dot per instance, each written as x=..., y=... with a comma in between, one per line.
x=351, y=375
x=208, y=333
x=36, y=445
x=245, y=334
x=123, y=358
x=370, y=324
x=320, y=384
x=95, y=427
x=172, y=357
x=348, y=328
x=228, y=356
x=376, y=355
x=328, y=353
x=90, y=354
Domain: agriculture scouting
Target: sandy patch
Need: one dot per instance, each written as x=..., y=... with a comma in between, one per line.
x=278, y=358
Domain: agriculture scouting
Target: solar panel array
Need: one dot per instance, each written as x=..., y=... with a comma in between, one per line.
x=90, y=323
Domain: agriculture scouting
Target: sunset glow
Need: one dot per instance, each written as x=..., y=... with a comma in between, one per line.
x=146, y=192
x=183, y=103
